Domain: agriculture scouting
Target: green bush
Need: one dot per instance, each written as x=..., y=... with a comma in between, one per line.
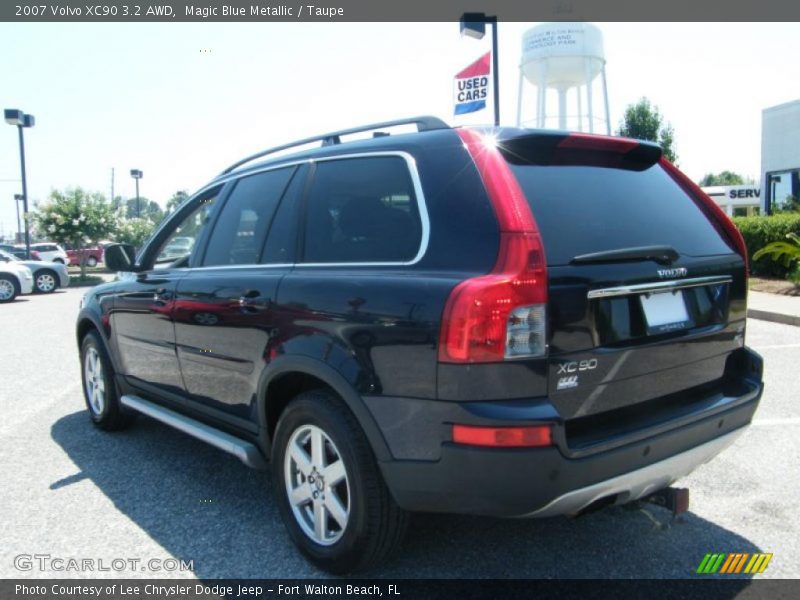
x=760, y=231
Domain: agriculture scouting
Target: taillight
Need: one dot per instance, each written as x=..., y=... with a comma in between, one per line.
x=711, y=209
x=501, y=315
x=531, y=436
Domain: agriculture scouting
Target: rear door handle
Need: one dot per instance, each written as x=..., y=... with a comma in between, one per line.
x=161, y=296
x=252, y=300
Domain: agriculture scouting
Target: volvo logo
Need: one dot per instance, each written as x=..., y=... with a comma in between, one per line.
x=669, y=273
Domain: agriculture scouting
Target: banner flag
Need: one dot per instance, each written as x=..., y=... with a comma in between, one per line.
x=472, y=86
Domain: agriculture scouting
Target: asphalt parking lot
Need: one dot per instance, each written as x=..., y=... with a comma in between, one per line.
x=71, y=491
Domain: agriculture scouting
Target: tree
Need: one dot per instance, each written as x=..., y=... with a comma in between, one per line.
x=722, y=178
x=134, y=231
x=75, y=217
x=643, y=121
x=145, y=208
x=176, y=200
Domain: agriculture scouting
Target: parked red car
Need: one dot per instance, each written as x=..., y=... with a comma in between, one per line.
x=93, y=255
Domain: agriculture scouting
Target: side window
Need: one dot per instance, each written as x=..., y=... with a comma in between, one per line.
x=177, y=248
x=362, y=210
x=239, y=233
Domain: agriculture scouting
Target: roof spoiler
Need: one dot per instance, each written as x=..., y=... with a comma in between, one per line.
x=558, y=148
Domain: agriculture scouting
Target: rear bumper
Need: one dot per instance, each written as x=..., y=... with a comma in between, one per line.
x=543, y=482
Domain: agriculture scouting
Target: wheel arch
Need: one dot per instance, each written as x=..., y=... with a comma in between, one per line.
x=86, y=324
x=288, y=376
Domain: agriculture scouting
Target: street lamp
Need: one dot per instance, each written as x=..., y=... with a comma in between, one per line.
x=474, y=25
x=137, y=175
x=17, y=199
x=16, y=117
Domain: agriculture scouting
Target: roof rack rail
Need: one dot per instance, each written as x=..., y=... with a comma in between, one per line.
x=424, y=123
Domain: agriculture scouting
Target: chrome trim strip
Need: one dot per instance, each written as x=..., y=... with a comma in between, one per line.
x=411, y=163
x=640, y=483
x=244, y=451
x=657, y=286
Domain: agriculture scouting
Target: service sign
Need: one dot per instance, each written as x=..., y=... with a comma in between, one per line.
x=472, y=86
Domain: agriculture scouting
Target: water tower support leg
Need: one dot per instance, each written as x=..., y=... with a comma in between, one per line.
x=605, y=99
x=580, y=107
x=519, y=100
x=540, y=105
x=590, y=112
x=562, y=108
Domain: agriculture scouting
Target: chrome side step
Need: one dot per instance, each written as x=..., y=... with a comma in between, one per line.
x=241, y=449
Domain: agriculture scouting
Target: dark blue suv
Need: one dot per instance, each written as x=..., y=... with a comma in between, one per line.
x=502, y=322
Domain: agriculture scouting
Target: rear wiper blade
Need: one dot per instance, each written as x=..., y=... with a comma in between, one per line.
x=664, y=255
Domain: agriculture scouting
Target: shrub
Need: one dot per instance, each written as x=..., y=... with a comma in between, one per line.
x=760, y=231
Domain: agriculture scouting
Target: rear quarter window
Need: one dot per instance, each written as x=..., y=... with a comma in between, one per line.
x=581, y=210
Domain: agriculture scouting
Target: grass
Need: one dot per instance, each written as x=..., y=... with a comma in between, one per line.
x=88, y=281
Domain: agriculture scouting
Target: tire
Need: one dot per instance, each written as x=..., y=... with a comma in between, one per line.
x=91, y=262
x=99, y=389
x=9, y=288
x=45, y=281
x=373, y=526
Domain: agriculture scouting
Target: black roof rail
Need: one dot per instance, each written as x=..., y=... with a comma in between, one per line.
x=424, y=123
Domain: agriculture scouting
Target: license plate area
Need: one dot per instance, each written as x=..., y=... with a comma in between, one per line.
x=665, y=312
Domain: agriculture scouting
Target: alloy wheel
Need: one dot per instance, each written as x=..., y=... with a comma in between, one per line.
x=45, y=282
x=317, y=485
x=6, y=289
x=95, y=381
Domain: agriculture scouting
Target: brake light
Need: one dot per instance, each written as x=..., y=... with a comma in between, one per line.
x=35, y=255
x=504, y=437
x=711, y=209
x=501, y=315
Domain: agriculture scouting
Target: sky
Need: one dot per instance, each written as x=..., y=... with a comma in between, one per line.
x=181, y=101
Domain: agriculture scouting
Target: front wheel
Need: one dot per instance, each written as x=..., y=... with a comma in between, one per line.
x=330, y=492
x=9, y=288
x=99, y=388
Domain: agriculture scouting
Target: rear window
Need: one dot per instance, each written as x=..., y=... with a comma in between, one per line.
x=581, y=210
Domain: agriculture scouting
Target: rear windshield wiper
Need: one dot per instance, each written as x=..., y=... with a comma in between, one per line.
x=664, y=255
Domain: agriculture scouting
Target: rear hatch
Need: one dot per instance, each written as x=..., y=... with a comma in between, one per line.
x=647, y=288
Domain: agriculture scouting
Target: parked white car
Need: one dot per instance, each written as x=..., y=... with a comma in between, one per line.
x=47, y=276
x=15, y=279
x=51, y=252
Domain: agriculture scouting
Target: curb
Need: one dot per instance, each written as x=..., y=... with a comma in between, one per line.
x=765, y=315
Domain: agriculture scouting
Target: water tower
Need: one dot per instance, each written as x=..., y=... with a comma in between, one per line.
x=562, y=63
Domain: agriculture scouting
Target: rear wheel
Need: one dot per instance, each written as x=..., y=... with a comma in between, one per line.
x=329, y=490
x=45, y=281
x=99, y=389
x=91, y=261
x=9, y=288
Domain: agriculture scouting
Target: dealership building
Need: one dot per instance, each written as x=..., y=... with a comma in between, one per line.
x=780, y=155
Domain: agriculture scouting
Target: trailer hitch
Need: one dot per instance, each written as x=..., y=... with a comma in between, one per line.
x=675, y=500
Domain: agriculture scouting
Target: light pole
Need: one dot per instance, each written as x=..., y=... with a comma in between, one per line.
x=17, y=199
x=16, y=117
x=137, y=175
x=474, y=26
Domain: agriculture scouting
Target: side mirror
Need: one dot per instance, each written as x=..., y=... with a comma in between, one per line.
x=120, y=257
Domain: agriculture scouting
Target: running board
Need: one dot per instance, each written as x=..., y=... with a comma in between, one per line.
x=241, y=449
